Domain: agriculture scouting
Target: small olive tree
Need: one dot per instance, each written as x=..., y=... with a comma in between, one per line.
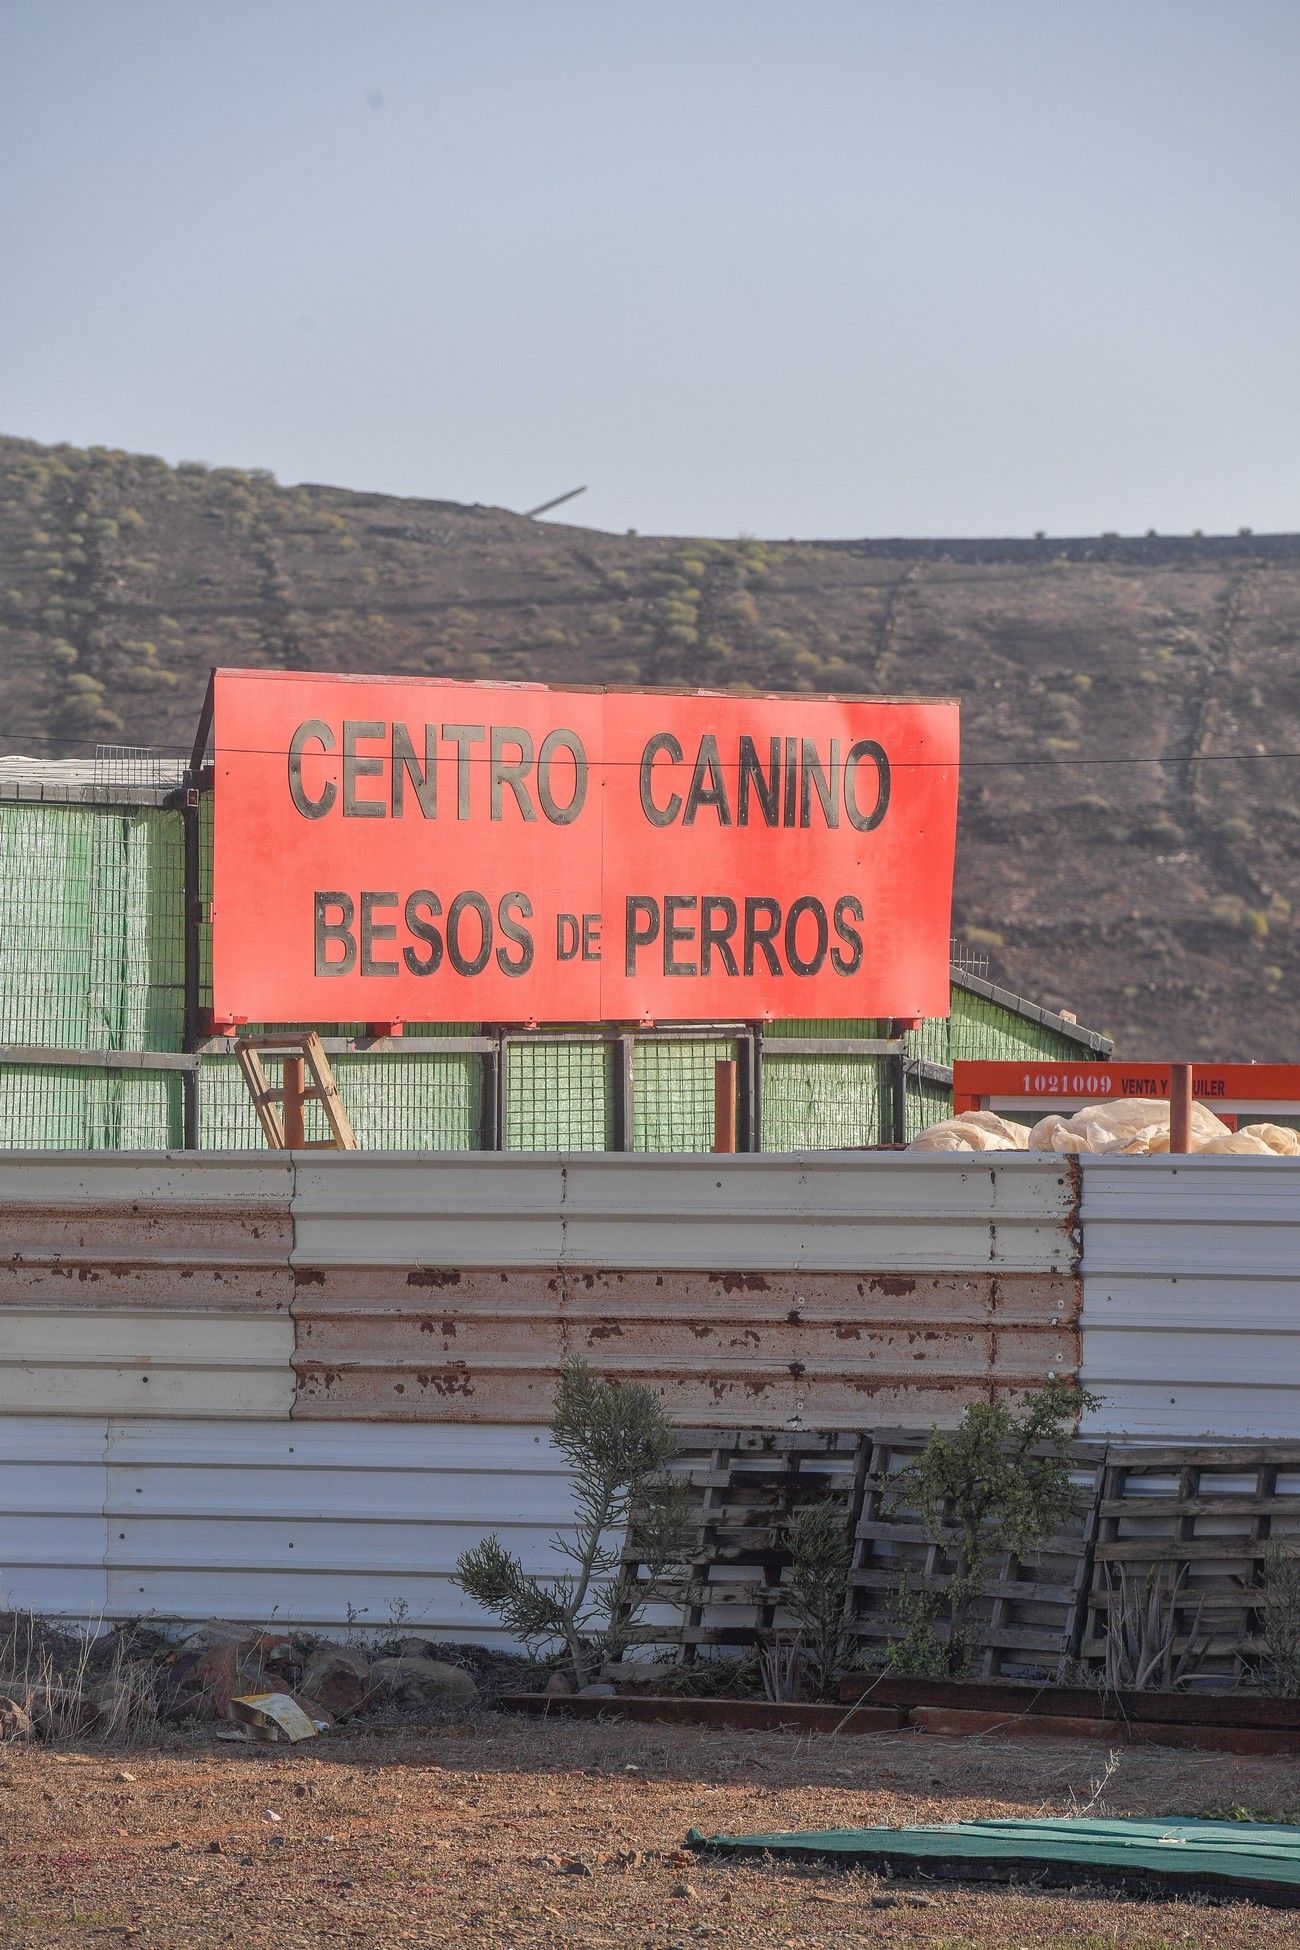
x=616, y=1441
x=997, y=1483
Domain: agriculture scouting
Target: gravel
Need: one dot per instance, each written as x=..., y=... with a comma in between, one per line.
x=506, y=1832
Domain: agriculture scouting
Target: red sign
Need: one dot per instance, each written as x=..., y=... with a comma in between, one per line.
x=412, y=849
x=1221, y=1086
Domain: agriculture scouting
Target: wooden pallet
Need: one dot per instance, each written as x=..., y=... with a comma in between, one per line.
x=280, y=1111
x=1031, y=1610
x=745, y=1485
x=1208, y=1513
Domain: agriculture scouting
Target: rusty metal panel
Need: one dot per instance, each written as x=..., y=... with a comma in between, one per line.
x=114, y=1210
x=829, y=1350
x=1191, y=1282
x=838, y=1211
x=145, y=1286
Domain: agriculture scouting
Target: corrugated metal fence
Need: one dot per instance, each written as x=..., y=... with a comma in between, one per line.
x=1191, y=1312
x=295, y=1385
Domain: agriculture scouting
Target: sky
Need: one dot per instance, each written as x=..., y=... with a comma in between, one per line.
x=777, y=267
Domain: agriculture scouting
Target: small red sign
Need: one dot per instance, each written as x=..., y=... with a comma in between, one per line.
x=1085, y=1081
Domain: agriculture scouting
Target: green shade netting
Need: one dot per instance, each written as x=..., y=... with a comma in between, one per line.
x=1242, y=1858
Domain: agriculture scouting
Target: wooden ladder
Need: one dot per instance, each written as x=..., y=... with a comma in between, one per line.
x=284, y=1132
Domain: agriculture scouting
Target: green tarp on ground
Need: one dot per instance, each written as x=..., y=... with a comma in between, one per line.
x=1243, y=1859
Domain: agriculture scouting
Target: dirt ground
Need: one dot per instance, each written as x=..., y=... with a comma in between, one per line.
x=514, y=1833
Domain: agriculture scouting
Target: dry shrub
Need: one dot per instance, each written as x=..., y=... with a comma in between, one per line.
x=68, y=1688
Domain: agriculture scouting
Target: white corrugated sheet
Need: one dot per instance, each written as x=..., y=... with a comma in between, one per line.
x=1191, y=1296
x=118, y=1361
x=824, y=1211
x=321, y=1525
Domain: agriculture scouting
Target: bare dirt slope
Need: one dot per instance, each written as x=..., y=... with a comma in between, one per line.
x=521, y=1835
x=1154, y=898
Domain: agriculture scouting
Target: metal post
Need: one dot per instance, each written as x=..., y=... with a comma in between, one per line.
x=724, y=1104
x=749, y=1097
x=293, y=1088
x=192, y=921
x=1180, y=1107
x=897, y=1071
x=491, y=1088
x=624, y=1102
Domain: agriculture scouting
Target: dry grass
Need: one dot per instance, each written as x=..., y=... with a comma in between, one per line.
x=53, y=1674
x=465, y=1838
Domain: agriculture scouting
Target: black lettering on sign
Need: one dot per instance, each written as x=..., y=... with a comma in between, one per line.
x=827, y=785
x=469, y=903
x=568, y=936
x=407, y=766
x=463, y=736
x=337, y=933
x=591, y=937
x=510, y=923
x=358, y=766
x=420, y=910
x=805, y=964
x=767, y=784
x=513, y=773
x=641, y=912
x=762, y=937
x=372, y=931
x=313, y=729
x=848, y=908
x=717, y=934
x=707, y=766
x=673, y=933
x=663, y=741
x=562, y=741
x=866, y=749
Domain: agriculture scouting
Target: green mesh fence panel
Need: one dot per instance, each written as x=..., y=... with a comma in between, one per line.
x=984, y=1031
x=930, y=1043
x=62, y=1108
x=824, y=1103
x=834, y=1027
x=559, y=1095
x=927, y=1103
x=227, y=1120
x=411, y=1103
x=672, y=1092
x=92, y=957
x=91, y=926
x=395, y=1103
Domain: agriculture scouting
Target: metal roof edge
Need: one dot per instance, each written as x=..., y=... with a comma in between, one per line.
x=1090, y=1039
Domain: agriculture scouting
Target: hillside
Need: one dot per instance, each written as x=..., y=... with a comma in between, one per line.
x=1154, y=899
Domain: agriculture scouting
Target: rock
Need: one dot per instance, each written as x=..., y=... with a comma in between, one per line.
x=15, y=1721
x=575, y=1866
x=599, y=1689
x=559, y=1686
x=226, y=1631
x=201, y=1684
x=338, y=1678
x=417, y=1645
x=424, y=1682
